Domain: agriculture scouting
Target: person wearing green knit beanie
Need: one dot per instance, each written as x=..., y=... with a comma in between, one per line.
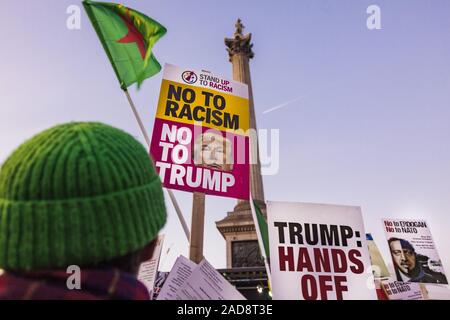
x=80, y=194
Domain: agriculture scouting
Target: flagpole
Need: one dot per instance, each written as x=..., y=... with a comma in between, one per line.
x=147, y=139
x=138, y=118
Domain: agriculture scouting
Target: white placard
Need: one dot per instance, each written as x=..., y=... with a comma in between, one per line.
x=318, y=252
x=396, y=290
x=180, y=272
x=205, y=283
x=413, y=251
x=148, y=269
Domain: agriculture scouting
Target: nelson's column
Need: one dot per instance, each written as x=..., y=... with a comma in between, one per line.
x=237, y=227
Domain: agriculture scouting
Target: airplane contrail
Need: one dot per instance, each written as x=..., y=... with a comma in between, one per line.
x=282, y=105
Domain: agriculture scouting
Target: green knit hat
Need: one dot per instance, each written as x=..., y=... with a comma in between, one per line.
x=78, y=193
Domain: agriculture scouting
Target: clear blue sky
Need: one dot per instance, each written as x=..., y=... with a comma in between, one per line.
x=372, y=128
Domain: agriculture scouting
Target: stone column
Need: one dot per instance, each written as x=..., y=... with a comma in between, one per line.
x=238, y=225
x=240, y=52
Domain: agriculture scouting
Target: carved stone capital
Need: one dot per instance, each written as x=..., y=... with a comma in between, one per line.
x=240, y=43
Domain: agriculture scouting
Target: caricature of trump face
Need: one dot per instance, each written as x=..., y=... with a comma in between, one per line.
x=213, y=151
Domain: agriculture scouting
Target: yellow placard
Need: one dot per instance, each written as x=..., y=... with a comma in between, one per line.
x=193, y=105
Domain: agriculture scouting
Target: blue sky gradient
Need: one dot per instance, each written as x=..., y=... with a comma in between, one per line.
x=371, y=129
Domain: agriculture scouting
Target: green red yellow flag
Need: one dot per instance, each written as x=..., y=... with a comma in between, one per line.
x=263, y=229
x=262, y=233
x=128, y=37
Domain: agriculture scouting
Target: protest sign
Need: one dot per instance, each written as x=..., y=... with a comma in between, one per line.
x=413, y=251
x=381, y=294
x=188, y=281
x=205, y=283
x=200, y=141
x=396, y=290
x=148, y=269
x=181, y=270
x=318, y=252
x=379, y=268
x=435, y=291
x=161, y=277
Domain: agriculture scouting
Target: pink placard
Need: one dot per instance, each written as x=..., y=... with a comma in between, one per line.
x=198, y=159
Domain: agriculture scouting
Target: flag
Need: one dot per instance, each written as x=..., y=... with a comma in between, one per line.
x=262, y=224
x=127, y=37
x=262, y=232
